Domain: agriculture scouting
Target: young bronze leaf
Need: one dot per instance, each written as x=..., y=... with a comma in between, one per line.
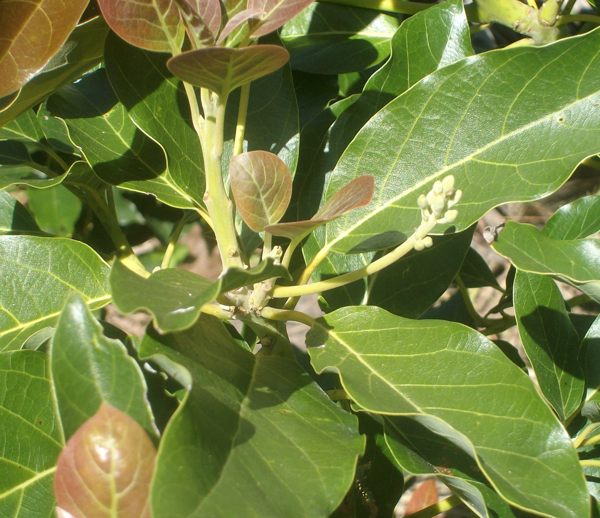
x=32, y=32
x=262, y=188
x=276, y=13
x=202, y=17
x=106, y=468
x=236, y=21
x=223, y=69
x=355, y=194
x=148, y=24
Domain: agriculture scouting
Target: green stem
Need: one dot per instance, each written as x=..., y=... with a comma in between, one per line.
x=390, y=6
x=285, y=315
x=439, y=507
x=240, y=128
x=217, y=311
x=56, y=157
x=592, y=463
x=267, y=245
x=569, y=6
x=346, y=278
x=585, y=433
x=172, y=244
x=569, y=18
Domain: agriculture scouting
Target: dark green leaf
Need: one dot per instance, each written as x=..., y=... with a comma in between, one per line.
x=14, y=218
x=37, y=276
x=55, y=209
x=590, y=346
x=392, y=365
x=256, y=427
x=575, y=220
x=476, y=273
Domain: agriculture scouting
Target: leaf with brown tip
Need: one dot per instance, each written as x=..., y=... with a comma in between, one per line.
x=106, y=468
x=355, y=194
x=262, y=188
x=32, y=32
x=202, y=17
x=148, y=24
x=223, y=69
x=276, y=13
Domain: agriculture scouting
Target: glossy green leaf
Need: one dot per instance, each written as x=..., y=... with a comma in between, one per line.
x=333, y=39
x=56, y=209
x=475, y=271
x=153, y=100
x=106, y=467
x=24, y=128
x=149, y=24
x=56, y=132
x=89, y=369
x=575, y=220
x=274, y=13
x=392, y=365
x=14, y=218
x=82, y=51
x=575, y=260
x=256, y=427
x=489, y=154
x=261, y=184
x=550, y=341
x=175, y=297
x=202, y=18
x=37, y=276
x=222, y=69
x=32, y=33
x=124, y=156
x=31, y=435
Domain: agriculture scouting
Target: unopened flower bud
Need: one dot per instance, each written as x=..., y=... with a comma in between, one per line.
x=422, y=202
x=450, y=216
x=448, y=183
x=427, y=242
x=437, y=188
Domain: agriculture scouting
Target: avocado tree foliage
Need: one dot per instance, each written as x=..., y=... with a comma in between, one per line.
x=347, y=149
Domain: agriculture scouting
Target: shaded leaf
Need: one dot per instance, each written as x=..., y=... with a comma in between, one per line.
x=37, y=276
x=32, y=437
x=106, y=467
x=392, y=365
x=19, y=167
x=356, y=194
x=575, y=220
x=32, y=33
x=25, y=128
x=262, y=188
x=149, y=24
x=590, y=346
x=89, y=369
x=275, y=13
x=14, y=218
x=256, y=427
x=56, y=209
x=475, y=272
x=575, y=260
x=222, y=69
x=550, y=341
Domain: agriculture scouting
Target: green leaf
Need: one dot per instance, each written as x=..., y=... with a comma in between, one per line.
x=32, y=437
x=106, y=468
x=333, y=39
x=55, y=209
x=175, y=297
x=153, y=100
x=550, y=341
x=25, y=128
x=37, y=276
x=149, y=24
x=261, y=184
x=256, y=427
x=223, y=69
x=490, y=156
x=575, y=220
x=590, y=347
x=576, y=261
x=392, y=365
x=475, y=272
x=19, y=167
x=82, y=51
x=14, y=218
x=56, y=132
x=32, y=33
x=89, y=369
x=274, y=13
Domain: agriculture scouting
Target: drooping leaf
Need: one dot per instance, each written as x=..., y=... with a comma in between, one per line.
x=333, y=39
x=56, y=209
x=18, y=166
x=175, y=297
x=488, y=151
x=575, y=260
x=223, y=69
x=82, y=51
x=392, y=365
x=32, y=33
x=89, y=369
x=236, y=22
x=275, y=13
x=575, y=220
x=550, y=341
x=106, y=467
x=256, y=427
x=149, y=24
x=37, y=276
x=262, y=188
x=475, y=271
x=202, y=17
x=14, y=218
x=32, y=437
x=356, y=194
x=153, y=100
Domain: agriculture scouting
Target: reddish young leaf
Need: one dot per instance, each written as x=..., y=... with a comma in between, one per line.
x=276, y=13
x=106, y=468
x=149, y=24
x=262, y=187
x=203, y=18
x=425, y=494
x=223, y=69
x=237, y=20
x=355, y=194
x=31, y=33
